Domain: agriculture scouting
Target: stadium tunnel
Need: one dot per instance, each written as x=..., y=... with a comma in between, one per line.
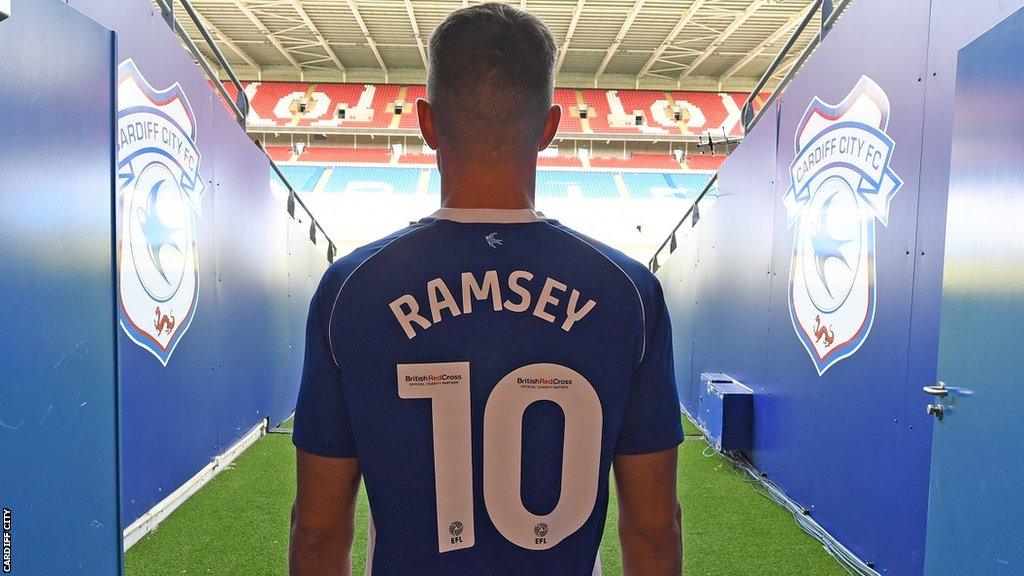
x=844, y=287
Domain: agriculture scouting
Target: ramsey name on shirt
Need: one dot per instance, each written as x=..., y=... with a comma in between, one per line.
x=518, y=292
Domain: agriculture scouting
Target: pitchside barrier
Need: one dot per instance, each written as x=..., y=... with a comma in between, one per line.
x=815, y=278
x=121, y=168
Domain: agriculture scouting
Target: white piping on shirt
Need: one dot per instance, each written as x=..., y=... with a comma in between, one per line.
x=330, y=319
x=643, y=315
x=489, y=215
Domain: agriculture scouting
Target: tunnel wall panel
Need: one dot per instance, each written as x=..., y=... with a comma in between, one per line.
x=849, y=439
x=237, y=362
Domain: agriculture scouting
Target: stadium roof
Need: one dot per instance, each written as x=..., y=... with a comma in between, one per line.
x=684, y=44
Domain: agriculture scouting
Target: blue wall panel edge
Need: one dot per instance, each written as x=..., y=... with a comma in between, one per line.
x=58, y=382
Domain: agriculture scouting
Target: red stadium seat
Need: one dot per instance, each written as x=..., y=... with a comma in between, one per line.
x=704, y=162
x=570, y=123
x=409, y=118
x=272, y=102
x=655, y=108
x=568, y=161
x=280, y=153
x=598, y=100
x=336, y=94
x=637, y=160
x=418, y=158
x=708, y=112
x=331, y=154
x=372, y=106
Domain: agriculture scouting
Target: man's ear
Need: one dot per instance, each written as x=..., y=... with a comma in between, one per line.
x=426, y=116
x=550, y=127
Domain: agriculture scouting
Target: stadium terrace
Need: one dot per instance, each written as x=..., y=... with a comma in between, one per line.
x=519, y=283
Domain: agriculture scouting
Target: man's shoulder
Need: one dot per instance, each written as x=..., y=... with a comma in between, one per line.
x=343, y=268
x=631, y=269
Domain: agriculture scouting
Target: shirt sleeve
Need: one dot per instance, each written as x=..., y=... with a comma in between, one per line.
x=322, y=424
x=652, y=422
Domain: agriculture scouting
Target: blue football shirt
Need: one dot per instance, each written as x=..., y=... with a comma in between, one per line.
x=485, y=366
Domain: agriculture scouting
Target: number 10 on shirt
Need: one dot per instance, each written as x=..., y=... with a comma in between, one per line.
x=447, y=386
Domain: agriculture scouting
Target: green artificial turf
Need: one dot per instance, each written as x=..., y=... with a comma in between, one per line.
x=689, y=428
x=238, y=524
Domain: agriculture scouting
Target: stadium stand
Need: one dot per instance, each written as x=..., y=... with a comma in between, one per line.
x=598, y=101
x=570, y=110
x=654, y=106
x=636, y=160
x=645, y=185
x=381, y=98
x=418, y=158
x=556, y=183
x=302, y=178
x=609, y=111
x=704, y=162
x=566, y=161
x=408, y=116
x=272, y=102
x=434, y=183
x=372, y=179
x=338, y=95
x=382, y=155
x=706, y=112
x=587, y=185
x=279, y=153
x=346, y=155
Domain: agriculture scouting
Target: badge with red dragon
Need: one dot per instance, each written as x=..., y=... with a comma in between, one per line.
x=159, y=199
x=841, y=185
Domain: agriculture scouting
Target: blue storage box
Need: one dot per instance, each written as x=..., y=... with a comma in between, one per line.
x=726, y=412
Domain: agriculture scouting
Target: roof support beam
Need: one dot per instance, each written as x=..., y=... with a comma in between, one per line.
x=416, y=31
x=316, y=34
x=228, y=42
x=270, y=35
x=731, y=29
x=630, y=17
x=768, y=42
x=684, y=20
x=568, y=35
x=369, y=38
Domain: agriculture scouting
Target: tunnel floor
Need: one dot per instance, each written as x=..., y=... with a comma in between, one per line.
x=238, y=523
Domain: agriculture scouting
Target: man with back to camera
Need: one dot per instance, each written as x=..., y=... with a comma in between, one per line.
x=483, y=368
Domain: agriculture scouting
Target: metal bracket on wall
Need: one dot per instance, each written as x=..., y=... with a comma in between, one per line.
x=167, y=10
x=826, y=14
x=5, y=9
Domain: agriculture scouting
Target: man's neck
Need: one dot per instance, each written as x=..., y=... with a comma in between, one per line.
x=505, y=184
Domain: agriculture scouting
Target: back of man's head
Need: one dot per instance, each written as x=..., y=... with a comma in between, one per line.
x=491, y=78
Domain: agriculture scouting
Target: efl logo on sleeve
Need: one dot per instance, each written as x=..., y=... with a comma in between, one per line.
x=841, y=185
x=159, y=198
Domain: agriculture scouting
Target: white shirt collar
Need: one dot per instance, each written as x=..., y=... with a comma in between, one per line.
x=488, y=215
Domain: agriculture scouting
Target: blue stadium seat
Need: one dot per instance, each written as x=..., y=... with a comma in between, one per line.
x=370, y=179
x=557, y=184
x=302, y=178
x=643, y=185
x=434, y=183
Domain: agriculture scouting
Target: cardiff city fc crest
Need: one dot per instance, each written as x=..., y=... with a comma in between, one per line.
x=841, y=186
x=159, y=198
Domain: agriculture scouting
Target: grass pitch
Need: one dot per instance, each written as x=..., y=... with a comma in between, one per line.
x=238, y=524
